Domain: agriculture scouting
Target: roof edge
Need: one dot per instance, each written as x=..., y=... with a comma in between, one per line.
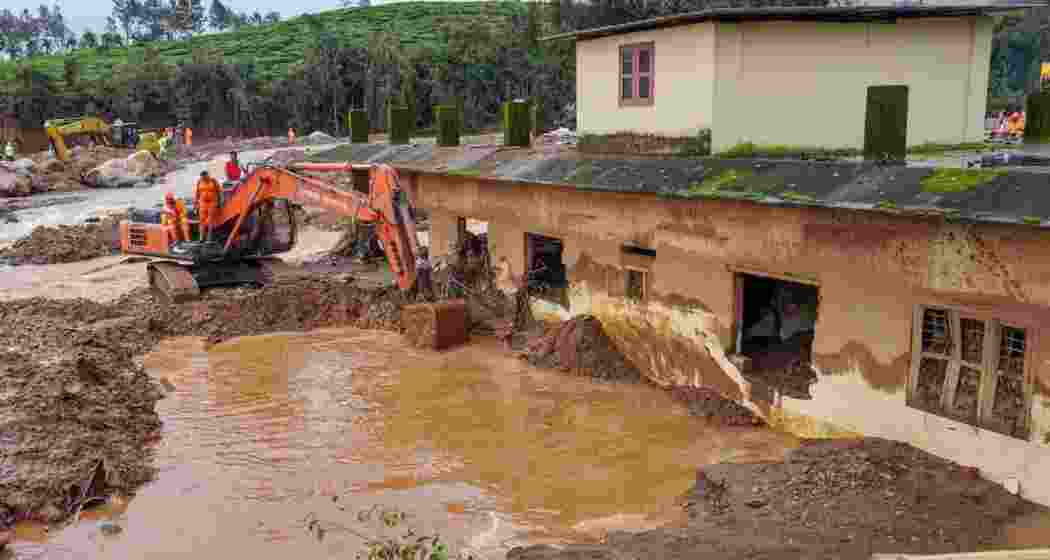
x=810, y=13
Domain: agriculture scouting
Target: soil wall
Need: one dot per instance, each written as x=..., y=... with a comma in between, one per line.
x=872, y=270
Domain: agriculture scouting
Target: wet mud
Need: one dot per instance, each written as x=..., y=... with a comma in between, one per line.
x=64, y=243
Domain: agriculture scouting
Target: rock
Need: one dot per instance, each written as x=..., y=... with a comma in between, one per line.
x=24, y=164
x=7, y=182
x=142, y=164
x=318, y=137
x=52, y=165
x=110, y=528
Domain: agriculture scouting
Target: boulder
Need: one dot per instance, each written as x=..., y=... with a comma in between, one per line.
x=7, y=181
x=142, y=164
x=318, y=137
x=24, y=164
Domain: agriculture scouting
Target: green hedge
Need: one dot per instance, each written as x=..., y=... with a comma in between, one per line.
x=448, y=124
x=358, y=122
x=517, y=123
x=399, y=124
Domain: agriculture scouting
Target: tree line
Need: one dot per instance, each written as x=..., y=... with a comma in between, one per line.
x=45, y=31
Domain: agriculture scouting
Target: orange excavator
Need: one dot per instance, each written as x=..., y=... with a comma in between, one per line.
x=257, y=221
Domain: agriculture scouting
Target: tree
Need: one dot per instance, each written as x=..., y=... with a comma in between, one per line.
x=125, y=13
x=71, y=72
x=198, y=16
x=88, y=40
x=110, y=40
x=218, y=16
x=273, y=17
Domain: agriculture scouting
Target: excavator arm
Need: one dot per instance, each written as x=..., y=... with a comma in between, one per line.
x=386, y=205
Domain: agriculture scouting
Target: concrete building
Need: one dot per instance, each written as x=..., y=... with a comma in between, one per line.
x=832, y=298
x=788, y=76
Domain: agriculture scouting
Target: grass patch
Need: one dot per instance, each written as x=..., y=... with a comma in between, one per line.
x=932, y=148
x=1032, y=220
x=750, y=150
x=583, y=174
x=797, y=197
x=737, y=183
x=886, y=205
x=465, y=172
x=958, y=180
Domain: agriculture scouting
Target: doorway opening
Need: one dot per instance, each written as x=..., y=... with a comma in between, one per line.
x=776, y=324
x=546, y=278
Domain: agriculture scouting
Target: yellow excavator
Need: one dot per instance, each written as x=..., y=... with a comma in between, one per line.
x=117, y=134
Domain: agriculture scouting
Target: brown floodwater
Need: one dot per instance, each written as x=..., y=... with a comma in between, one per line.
x=263, y=434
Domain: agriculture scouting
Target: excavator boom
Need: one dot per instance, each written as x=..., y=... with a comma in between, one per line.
x=386, y=205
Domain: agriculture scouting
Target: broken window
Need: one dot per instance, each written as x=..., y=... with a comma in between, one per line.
x=635, y=288
x=636, y=74
x=546, y=271
x=776, y=324
x=971, y=370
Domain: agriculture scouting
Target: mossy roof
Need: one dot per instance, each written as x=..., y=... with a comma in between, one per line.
x=1002, y=195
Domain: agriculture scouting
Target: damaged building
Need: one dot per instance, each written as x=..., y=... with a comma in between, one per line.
x=830, y=297
x=833, y=298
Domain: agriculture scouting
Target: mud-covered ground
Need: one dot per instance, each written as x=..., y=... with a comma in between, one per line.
x=834, y=499
x=75, y=402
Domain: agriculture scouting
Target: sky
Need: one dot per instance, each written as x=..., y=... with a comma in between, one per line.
x=91, y=14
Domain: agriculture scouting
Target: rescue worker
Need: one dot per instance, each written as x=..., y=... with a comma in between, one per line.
x=171, y=216
x=189, y=136
x=163, y=142
x=233, y=169
x=206, y=200
x=291, y=136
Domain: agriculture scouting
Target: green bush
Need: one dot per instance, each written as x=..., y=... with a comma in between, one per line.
x=448, y=122
x=517, y=123
x=399, y=124
x=357, y=120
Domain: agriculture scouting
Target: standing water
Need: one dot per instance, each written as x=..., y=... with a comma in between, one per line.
x=263, y=433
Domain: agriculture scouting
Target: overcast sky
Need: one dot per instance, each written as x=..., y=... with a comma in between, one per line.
x=84, y=14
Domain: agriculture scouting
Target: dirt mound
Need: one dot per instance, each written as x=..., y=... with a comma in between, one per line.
x=63, y=244
x=579, y=345
x=76, y=412
x=707, y=403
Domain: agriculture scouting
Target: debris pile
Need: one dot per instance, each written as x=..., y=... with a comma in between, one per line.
x=579, y=345
x=63, y=244
x=76, y=412
x=139, y=169
x=709, y=404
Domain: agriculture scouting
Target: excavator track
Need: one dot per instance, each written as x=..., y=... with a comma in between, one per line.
x=172, y=282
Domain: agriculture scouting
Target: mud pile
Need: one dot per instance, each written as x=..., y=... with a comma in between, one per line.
x=842, y=499
x=708, y=404
x=76, y=412
x=63, y=244
x=579, y=345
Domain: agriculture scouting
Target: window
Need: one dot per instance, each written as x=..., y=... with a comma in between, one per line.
x=636, y=74
x=971, y=370
x=635, y=288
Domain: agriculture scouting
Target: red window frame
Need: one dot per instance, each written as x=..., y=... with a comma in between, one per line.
x=634, y=52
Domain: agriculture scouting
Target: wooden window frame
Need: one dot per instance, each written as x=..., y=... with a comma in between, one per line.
x=988, y=368
x=627, y=270
x=635, y=100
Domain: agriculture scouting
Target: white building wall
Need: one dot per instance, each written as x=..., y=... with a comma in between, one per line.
x=794, y=83
x=683, y=83
x=805, y=84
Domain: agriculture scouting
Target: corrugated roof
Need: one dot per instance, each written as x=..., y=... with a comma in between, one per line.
x=800, y=13
x=1001, y=195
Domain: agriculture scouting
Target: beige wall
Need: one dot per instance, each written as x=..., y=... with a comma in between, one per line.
x=683, y=83
x=806, y=83
x=794, y=83
x=872, y=271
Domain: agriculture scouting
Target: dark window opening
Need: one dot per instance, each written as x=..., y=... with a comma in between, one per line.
x=636, y=74
x=635, y=288
x=546, y=271
x=777, y=323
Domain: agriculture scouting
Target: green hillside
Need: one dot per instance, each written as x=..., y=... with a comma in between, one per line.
x=273, y=48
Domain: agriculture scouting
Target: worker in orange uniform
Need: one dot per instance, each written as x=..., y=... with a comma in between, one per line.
x=291, y=136
x=189, y=136
x=233, y=169
x=173, y=215
x=207, y=203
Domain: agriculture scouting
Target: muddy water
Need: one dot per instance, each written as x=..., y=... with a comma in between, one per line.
x=262, y=432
